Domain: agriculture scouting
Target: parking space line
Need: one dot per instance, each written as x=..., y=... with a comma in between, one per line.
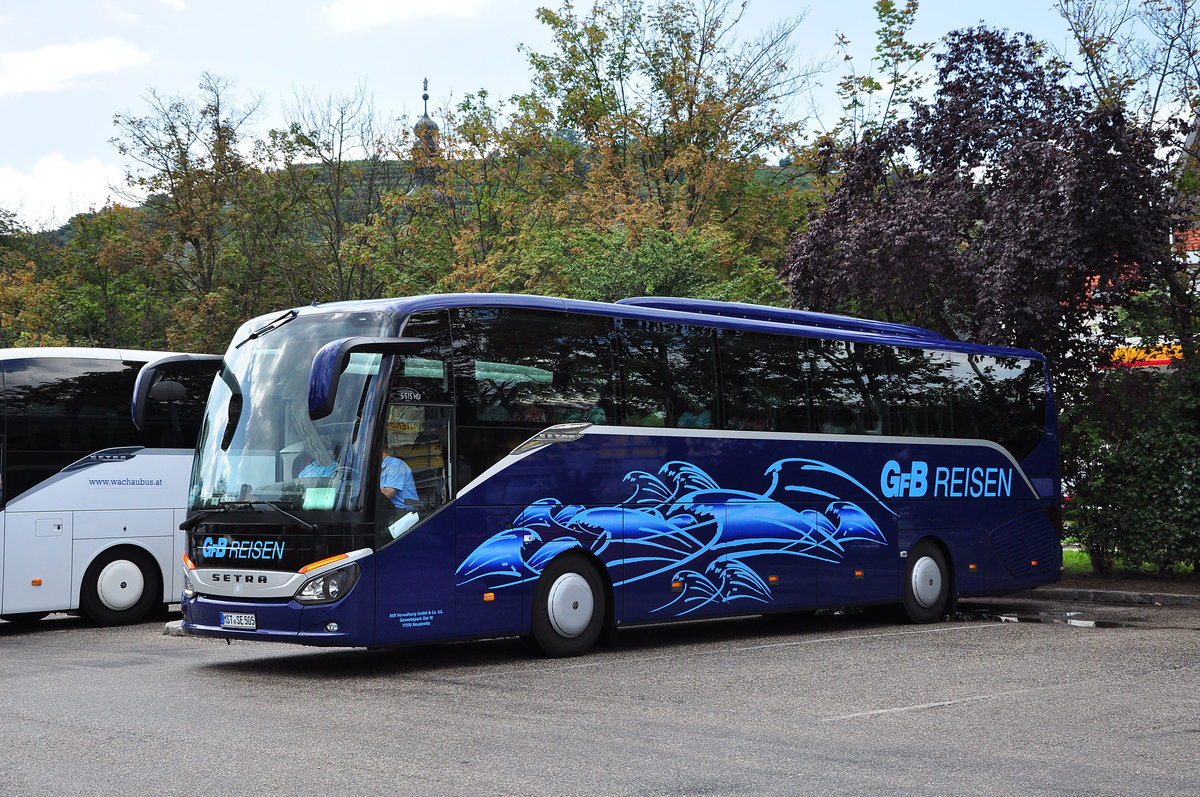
x=605, y=661
x=940, y=703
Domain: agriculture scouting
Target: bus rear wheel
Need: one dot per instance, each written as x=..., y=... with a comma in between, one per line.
x=926, y=584
x=120, y=587
x=569, y=606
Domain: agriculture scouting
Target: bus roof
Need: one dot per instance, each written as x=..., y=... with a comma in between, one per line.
x=729, y=315
x=781, y=315
x=32, y=352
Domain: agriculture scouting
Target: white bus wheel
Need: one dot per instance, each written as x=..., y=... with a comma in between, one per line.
x=569, y=606
x=119, y=587
x=926, y=583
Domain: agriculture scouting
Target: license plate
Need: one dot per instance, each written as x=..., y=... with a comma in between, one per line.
x=236, y=620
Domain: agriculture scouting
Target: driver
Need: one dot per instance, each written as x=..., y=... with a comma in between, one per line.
x=397, y=485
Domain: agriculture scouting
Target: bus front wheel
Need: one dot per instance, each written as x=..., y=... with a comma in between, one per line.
x=120, y=587
x=568, y=608
x=926, y=584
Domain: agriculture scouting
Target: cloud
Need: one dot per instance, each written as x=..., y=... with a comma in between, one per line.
x=56, y=189
x=348, y=16
x=63, y=66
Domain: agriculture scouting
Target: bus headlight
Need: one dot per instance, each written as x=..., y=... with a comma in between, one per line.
x=329, y=587
x=189, y=591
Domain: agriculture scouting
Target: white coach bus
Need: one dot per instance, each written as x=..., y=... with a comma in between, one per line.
x=91, y=504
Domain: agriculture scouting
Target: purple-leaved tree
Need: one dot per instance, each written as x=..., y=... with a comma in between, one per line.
x=1004, y=210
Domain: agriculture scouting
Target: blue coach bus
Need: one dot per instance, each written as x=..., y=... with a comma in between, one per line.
x=571, y=467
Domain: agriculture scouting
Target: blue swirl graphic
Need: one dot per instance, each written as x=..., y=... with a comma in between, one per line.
x=676, y=522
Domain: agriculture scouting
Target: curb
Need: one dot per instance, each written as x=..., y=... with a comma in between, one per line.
x=173, y=628
x=1113, y=596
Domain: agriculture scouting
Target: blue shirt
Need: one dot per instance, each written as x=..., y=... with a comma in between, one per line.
x=395, y=473
x=314, y=470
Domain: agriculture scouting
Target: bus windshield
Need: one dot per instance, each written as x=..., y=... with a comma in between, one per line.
x=258, y=442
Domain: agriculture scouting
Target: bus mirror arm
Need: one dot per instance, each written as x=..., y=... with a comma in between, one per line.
x=331, y=360
x=147, y=379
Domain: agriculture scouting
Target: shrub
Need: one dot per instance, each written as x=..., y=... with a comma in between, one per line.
x=1136, y=458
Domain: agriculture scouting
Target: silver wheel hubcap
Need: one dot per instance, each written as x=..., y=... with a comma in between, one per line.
x=120, y=585
x=926, y=582
x=570, y=605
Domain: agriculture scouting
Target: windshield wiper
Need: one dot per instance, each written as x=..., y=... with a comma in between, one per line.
x=247, y=506
x=195, y=519
x=269, y=326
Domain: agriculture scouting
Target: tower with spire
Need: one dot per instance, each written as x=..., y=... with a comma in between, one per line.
x=425, y=146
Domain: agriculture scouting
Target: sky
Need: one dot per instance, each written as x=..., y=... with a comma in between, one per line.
x=68, y=66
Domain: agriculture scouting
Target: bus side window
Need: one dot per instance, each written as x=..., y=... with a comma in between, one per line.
x=670, y=374
x=921, y=386
x=518, y=370
x=54, y=415
x=849, y=387
x=764, y=382
x=426, y=374
x=176, y=423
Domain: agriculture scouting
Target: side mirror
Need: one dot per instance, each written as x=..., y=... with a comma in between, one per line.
x=151, y=386
x=168, y=390
x=331, y=360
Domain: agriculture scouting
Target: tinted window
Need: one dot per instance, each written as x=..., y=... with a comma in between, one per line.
x=848, y=387
x=921, y=392
x=1003, y=399
x=426, y=375
x=669, y=373
x=534, y=367
x=59, y=409
x=519, y=370
x=765, y=383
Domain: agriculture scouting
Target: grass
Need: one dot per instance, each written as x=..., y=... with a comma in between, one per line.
x=1077, y=562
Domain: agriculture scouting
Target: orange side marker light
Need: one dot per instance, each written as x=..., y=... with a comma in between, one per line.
x=323, y=562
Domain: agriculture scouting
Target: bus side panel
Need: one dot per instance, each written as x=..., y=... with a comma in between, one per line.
x=678, y=576
x=688, y=526
x=488, y=601
x=37, y=557
x=87, y=550
x=708, y=525
x=414, y=589
x=151, y=529
x=871, y=573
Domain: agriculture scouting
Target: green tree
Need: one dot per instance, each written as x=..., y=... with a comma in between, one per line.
x=675, y=116
x=334, y=162
x=877, y=98
x=187, y=158
x=1135, y=492
x=113, y=289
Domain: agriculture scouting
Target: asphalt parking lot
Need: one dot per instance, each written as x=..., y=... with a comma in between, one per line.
x=1013, y=697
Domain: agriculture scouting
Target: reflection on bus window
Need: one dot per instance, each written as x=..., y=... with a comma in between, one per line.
x=670, y=375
